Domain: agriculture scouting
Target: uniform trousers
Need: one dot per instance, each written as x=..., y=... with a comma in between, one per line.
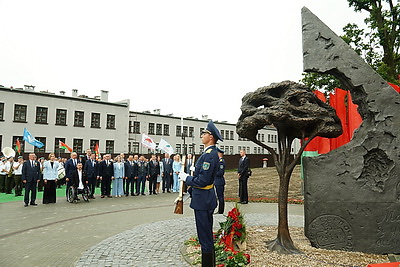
x=106, y=186
x=30, y=187
x=220, y=195
x=204, y=227
x=18, y=184
x=140, y=184
x=9, y=183
x=2, y=183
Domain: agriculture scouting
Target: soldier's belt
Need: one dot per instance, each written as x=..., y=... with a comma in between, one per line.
x=205, y=187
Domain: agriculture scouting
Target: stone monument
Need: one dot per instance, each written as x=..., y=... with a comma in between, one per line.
x=352, y=194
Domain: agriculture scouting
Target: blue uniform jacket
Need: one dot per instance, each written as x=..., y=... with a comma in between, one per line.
x=219, y=179
x=204, y=175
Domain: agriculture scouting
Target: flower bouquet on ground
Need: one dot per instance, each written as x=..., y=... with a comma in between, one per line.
x=229, y=242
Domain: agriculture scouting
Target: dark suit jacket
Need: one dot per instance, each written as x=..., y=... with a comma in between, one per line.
x=30, y=174
x=154, y=169
x=75, y=178
x=70, y=167
x=167, y=165
x=90, y=170
x=244, y=166
x=188, y=164
x=131, y=171
x=106, y=171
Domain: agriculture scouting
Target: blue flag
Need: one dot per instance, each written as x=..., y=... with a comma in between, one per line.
x=31, y=140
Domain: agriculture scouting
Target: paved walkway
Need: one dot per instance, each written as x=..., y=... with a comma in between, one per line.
x=128, y=231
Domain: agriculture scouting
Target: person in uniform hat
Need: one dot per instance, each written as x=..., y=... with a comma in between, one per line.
x=202, y=192
x=220, y=182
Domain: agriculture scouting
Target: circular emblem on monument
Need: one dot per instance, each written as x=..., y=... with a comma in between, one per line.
x=331, y=232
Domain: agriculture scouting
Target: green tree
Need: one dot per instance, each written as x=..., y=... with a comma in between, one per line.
x=379, y=46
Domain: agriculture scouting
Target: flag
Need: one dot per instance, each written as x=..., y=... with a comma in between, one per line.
x=148, y=142
x=18, y=146
x=31, y=140
x=64, y=146
x=354, y=117
x=164, y=146
x=97, y=151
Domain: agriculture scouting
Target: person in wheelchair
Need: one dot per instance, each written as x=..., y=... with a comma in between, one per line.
x=79, y=180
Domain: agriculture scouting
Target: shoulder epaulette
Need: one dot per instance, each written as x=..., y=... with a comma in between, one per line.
x=209, y=150
x=220, y=160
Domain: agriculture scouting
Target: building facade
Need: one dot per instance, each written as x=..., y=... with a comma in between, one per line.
x=81, y=122
x=78, y=121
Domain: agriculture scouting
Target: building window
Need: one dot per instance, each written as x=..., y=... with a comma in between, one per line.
x=201, y=148
x=191, y=149
x=78, y=145
x=95, y=121
x=151, y=128
x=43, y=148
x=255, y=150
x=201, y=131
x=231, y=150
x=21, y=143
x=178, y=148
x=222, y=133
x=109, y=146
x=231, y=135
x=159, y=129
x=41, y=115
x=57, y=148
x=61, y=117
x=262, y=138
x=185, y=131
x=130, y=127
x=135, y=147
x=178, y=130
x=248, y=150
x=166, y=129
x=191, y=131
x=110, y=122
x=269, y=138
x=226, y=135
x=136, y=127
x=1, y=111
x=93, y=143
x=20, y=113
x=79, y=119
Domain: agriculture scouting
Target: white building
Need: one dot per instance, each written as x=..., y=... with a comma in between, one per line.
x=77, y=120
x=81, y=122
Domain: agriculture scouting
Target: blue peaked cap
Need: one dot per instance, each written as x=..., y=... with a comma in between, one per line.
x=214, y=131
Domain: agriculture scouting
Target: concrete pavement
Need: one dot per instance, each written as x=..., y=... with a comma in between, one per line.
x=127, y=231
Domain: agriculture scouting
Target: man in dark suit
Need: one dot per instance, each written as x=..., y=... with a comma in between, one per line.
x=70, y=166
x=106, y=172
x=219, y=182
x=78, y=179
x=30, y=177
x=167, y=173
x=154, y=171
x=91, y=170
x=131, y=170
x=86, y=157
x=243, y=175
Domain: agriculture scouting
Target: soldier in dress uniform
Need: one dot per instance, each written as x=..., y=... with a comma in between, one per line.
x=220, y=182
x=202, y=192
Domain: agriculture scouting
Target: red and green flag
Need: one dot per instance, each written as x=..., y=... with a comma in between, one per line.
x=97, y=151
x=18, y=146
x=64, y=146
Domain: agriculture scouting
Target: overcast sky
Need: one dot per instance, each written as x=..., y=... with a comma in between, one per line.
x=189, y=58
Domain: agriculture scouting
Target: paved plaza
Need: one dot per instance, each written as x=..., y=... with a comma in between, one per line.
x=127, y=231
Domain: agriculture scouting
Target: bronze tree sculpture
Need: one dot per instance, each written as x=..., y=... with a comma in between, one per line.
x=295, y=112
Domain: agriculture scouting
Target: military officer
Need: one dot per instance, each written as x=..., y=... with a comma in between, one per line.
x=203, y=193
x=220, y=182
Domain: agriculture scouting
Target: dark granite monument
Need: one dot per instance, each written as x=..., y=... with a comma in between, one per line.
x=352, y=194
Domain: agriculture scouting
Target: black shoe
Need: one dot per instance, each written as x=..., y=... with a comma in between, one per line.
x=143, y=194
x=168, y=191
x=33, y=204
x=163, y=191
x=132, y=195
x=154, y=193
x=244, y=202
x=150, y=193
x=25, y=205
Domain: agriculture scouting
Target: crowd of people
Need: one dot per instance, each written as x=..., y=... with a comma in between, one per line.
x=115, y=177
